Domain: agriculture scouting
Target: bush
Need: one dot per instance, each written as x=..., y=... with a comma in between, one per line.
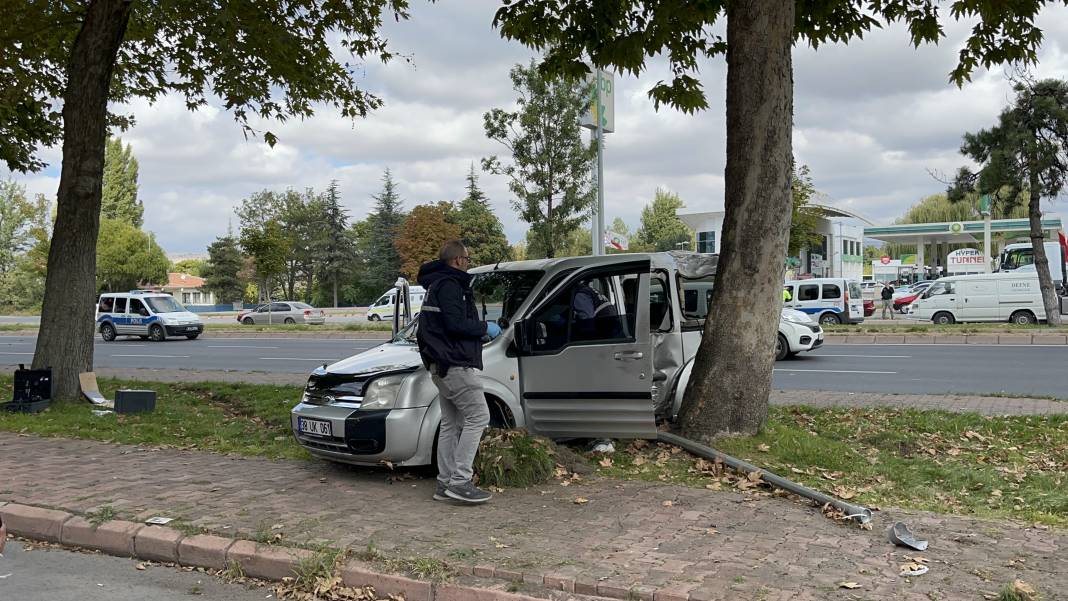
x=514, y=459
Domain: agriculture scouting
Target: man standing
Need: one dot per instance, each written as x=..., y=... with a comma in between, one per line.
x=888, y=299
x=450, y=343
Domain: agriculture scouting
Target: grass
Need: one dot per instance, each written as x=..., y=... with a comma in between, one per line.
x=244, y=419
x=920, y=327
x=514, y=459
x=968, y=464
x=103, y=515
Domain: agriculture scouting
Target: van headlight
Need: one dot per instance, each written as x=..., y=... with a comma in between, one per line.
x=382, y=392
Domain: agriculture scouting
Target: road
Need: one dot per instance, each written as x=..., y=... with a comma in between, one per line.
x=912, y=369
x=60, y=575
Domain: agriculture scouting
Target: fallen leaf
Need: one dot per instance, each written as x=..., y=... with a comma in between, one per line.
x=754, y=476
x=995, y=493
x=502, y=546
x=388, y=464
x=606, y=462
x=141, y=566
x=639, y=460
x=954, y=451
x=667, y=503
x=711, y=531
x=849, y=585
x=763, y=448
x=581, y=501
x=1023, y=590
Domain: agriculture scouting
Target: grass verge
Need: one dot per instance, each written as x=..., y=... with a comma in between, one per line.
x=946, y=462
x=245, y=419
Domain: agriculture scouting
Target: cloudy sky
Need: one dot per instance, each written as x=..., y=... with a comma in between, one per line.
x=871, y=121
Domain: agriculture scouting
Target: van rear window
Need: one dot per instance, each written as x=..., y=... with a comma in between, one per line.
x=831, y=291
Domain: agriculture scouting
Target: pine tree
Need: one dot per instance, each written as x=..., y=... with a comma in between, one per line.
x=334, y=250
x=222, y=273
x=383, y=260
x=480, y=228
x=119, y=195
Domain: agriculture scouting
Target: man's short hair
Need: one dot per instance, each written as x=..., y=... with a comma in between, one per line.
x=452, y=250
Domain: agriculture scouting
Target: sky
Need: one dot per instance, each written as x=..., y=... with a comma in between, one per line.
x=872, y=121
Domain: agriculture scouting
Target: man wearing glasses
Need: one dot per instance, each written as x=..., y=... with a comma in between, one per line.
x=450, y=339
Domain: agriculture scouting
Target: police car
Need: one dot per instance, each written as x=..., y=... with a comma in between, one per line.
x=150, y=315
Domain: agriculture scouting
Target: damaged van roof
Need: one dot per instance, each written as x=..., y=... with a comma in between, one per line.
x=690, y=265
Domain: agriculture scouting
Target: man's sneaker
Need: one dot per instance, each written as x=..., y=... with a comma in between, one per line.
x=468, y=493
x=439, y=492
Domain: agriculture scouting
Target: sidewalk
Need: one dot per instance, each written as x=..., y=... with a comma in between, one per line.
x=628, y=541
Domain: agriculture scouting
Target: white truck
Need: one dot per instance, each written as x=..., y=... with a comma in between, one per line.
x=1021, y=257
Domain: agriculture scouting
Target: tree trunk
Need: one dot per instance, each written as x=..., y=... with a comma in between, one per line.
x=335, y=290
x=65, y=341
x=728, y=390
x=1038, y=240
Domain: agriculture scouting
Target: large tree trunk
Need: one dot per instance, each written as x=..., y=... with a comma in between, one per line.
x=65, y=341
x=728, y=390
x=1038, y=240
x=335, y=290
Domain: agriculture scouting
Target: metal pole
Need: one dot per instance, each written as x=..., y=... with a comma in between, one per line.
x=987, y=254
x=598, y=218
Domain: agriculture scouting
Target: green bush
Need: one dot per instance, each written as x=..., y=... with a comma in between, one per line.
x=514, y=459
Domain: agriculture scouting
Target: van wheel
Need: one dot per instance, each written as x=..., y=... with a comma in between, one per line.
x=943, y=318
x=782, y=348
x=289, y=321
x=373, y=317
x=1023, y=318
x=192, y=336
x=830, y=319
x=156, y=333
x=107, y=332
x=248, y=321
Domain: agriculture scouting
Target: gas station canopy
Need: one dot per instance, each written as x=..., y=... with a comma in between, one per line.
x=959, y=232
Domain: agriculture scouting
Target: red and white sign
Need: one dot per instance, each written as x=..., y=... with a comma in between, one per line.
x=966, y=260
x=885, y=260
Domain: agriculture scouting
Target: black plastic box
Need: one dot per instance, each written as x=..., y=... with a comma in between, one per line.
x=135, y=401
x=33, y=390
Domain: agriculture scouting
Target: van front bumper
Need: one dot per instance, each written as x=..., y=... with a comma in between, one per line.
x=361, y=437
x=185, y=330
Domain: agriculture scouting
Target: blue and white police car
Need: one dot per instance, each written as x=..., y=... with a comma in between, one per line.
x=149, y=315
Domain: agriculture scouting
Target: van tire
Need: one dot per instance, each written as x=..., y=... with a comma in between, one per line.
x=782, y=348
x=156, y=333
x=373, y=317
x=107, y=332
x=1023, y=318
x=289, y=321
x=943, y=318
x=192, y=336
x=248, y=321
x=830, y=319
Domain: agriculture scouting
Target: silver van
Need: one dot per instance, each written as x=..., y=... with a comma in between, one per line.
x=611, y=376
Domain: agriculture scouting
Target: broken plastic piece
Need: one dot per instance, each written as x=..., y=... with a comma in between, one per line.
x=159, y=520
x=914, y=570
x=899, y=534
x=604, y=446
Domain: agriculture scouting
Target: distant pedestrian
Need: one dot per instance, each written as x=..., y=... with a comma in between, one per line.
x=450, y=343
x=888, y=299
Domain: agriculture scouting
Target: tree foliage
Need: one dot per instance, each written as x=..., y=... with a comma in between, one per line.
x=118, y=197
x=333, y=249
x=25, y=227
x=127, y=258
x=383, y=261
x=550, y=167
x=422, y=234
x=222, y=273
x=195, y=267
x=480, y=228
x=661, y=229
x=805, y=219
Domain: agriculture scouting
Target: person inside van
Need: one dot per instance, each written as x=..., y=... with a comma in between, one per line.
x=106, y=304
x=594, y=315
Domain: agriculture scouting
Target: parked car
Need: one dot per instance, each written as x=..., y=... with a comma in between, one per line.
x=284, y=312
x=148, y=315
x=869, y=307
x=612, y=377
x=797, y=333
x=1009, y=296
x=827, y=300
x=382, y=308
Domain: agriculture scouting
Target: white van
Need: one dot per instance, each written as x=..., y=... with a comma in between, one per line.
x=1013, y=297
x=149, y=315
x=383, y=307
x=827, y=300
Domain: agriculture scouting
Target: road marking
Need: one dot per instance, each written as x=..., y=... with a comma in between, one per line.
x=837, y=371
x=238, y=346
x=16, y=353
x=867, y=356
x=156, y=356
x=295, y=359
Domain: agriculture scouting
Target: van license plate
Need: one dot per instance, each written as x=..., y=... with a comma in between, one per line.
x=314, y=426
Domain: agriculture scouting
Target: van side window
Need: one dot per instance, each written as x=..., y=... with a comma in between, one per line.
x=585, y=313
x=107, y=304
x=808, y=292
x=138, y=308
x=120, y=305
x=659, y=320
x=831, y=291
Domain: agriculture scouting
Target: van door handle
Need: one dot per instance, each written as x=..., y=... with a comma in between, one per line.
x=620, y=356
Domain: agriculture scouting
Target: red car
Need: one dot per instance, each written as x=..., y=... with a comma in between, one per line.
x=869, y=307
x=904, y=301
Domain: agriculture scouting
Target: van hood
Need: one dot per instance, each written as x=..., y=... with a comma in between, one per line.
x=180, y=316
x=391, y=356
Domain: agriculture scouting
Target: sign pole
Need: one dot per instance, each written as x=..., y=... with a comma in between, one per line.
x=598, y=217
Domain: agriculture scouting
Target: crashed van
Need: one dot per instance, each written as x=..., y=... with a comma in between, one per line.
x=612, y=376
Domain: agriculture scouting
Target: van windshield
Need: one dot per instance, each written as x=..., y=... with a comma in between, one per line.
x=499, y=294
x=164, y=304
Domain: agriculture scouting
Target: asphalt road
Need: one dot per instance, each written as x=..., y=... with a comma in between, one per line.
x=59, y=575
x=912, y=369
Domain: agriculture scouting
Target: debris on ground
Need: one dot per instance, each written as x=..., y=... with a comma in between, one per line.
x=899, y=534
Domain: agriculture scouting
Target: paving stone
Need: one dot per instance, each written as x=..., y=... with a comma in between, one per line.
x=204, y=551
x=157, y=543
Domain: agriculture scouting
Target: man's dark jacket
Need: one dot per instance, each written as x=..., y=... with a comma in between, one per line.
x=450, y=332
x=887, y=293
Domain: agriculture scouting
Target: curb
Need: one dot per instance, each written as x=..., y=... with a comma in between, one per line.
x=163, y=544
x=958, y=339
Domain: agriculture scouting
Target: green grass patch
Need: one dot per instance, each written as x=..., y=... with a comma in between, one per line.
x=514, y=459
x=930, y=460
x=245, y=419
